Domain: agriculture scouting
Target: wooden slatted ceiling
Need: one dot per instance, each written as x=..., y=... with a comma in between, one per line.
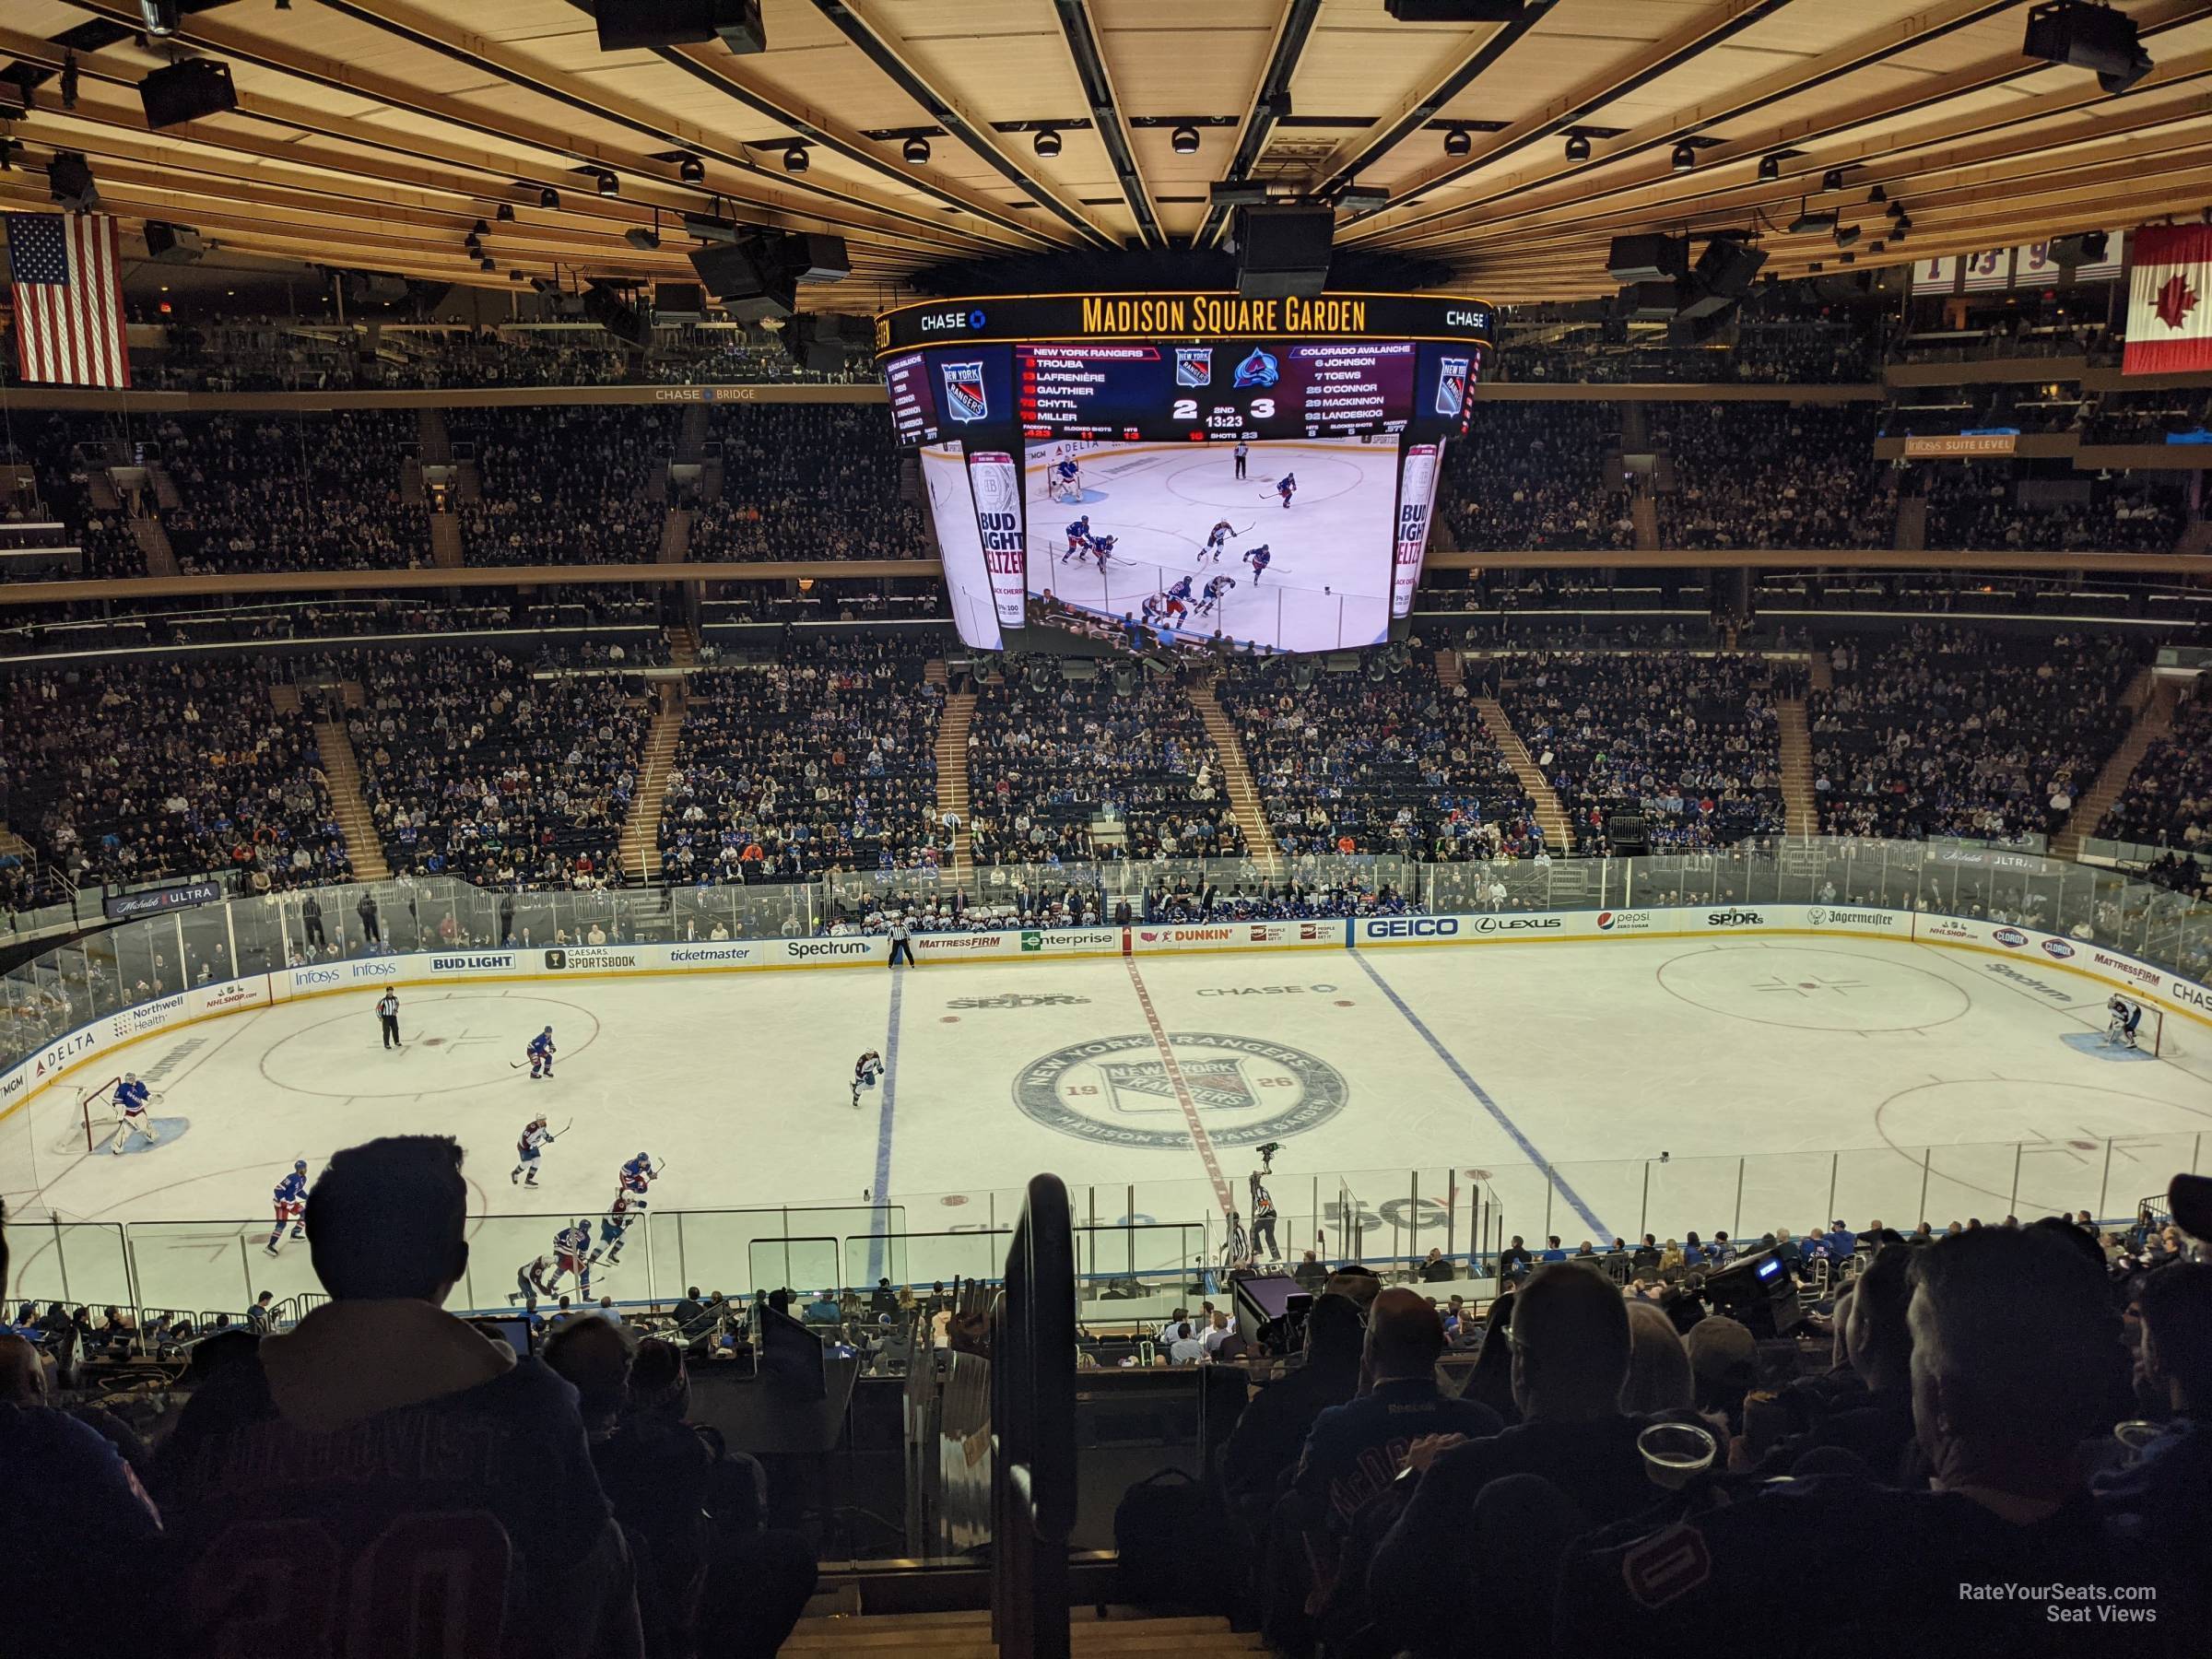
x=373, y=132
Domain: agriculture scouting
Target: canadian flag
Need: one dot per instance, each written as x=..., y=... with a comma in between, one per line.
x=2170, y=300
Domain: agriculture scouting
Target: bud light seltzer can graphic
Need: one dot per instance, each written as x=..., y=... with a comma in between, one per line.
x=1452, y=386
x=964, y=398
x=997, y=484
x=1416, y=497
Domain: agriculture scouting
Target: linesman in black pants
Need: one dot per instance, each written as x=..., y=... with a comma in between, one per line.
x=387, y=1014
x=901, y=944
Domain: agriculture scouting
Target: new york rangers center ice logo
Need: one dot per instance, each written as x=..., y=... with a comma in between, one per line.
x=964, y=396
x=1118, y=1092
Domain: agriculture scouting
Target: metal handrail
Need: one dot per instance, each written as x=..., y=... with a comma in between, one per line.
x=1033, y=1430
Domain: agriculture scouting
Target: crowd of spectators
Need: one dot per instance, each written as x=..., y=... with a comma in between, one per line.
x=1949, y=731
x=807, y=481
x=1077, y=771
x=1355, y=763
x=1974, y=509
x=821, y=760
x=1769, y=475
x=2166, y=800
x=143, y=771
x=308, y=492
x=1689, y=742
x=473, y=766
x=60, y=449
x=1797, y=352
x=562, y=484
x=1528, y=475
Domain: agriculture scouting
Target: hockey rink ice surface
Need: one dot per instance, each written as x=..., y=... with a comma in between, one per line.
x=1328, y=585
x=1787, y=1082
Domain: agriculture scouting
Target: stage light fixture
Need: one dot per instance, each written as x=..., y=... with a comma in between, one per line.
x=487, y=263
x=159, y=16
x=607, y=182
x=1833, y=179
x=1046, y=143
x=505, y=213
x=1878, y=195
x=1769, y=168
x=796, y=160
x=642, y=240
x=1684, y=157
x=1846, y=235
x=916, y=150
x=1184, y=140
x=1578, y=147
x=548, y=198
x=1458, y=141
x=691, y=170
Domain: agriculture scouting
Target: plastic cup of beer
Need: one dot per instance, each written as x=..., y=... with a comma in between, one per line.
x=1676, y=1453
x=2134, y=1435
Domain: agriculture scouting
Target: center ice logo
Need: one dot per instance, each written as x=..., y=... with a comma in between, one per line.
x=1118, y=1091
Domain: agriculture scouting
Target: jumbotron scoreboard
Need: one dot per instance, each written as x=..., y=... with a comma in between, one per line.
x=1188, y=367
x=1170, y=470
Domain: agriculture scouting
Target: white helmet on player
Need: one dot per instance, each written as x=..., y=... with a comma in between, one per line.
x=130, y=1076
x=2118, y=1004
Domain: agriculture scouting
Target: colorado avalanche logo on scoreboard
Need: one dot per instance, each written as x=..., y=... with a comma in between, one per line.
x=1193, y=365
x=964, y=396
x=1451, y=386
x=1118, y=1091
x=1258, y=369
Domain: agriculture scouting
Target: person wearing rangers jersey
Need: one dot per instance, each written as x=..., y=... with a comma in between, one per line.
x=568, y=1247
x=1259, y=558
x=130, y=1102
x=291, y=1196
x=1078, y=539
x=1287, y=486
x=535, y=1135
x=540, y=1053
x=637, y=1175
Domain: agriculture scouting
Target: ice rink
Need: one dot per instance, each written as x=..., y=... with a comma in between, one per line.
x=1785, y=1083
x=1327, y=585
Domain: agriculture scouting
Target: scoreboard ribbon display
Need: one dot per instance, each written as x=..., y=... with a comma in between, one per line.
x=1073, y=317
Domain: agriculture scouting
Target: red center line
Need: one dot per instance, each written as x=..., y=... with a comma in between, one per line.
x=1199, y=1137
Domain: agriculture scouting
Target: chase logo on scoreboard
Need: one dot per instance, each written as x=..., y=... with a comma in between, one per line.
x=1193, y=365
x=964, y=396
x=1120, y=1091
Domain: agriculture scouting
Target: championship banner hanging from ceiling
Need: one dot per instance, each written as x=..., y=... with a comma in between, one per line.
x=2169, y=301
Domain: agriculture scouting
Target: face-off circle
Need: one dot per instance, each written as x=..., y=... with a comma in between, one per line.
x=1117, y=1090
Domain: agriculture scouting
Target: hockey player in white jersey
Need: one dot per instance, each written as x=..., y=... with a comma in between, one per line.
x=535, y=1135
x=130, y=1098
x=290, y=1198
x=2126, y=1018
x=867, y=1071
x=1215, y=591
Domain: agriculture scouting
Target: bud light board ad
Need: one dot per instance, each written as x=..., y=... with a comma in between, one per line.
x=996, y=481
x=1417, y=504
x=959, y=540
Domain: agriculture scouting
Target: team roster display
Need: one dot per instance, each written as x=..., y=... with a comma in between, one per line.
x=1232, y=389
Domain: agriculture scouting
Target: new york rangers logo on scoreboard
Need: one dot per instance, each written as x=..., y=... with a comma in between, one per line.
x=1451, y=386
x=1193, y=365
x=964, y=398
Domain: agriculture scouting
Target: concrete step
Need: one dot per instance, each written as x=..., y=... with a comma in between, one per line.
x=1235, y=779
x=2153, y=700
x=1550, y=814
x=342, y=774
x=1800, y=804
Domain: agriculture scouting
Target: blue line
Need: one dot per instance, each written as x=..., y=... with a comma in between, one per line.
x=880, y=1226
x=1481, y=1094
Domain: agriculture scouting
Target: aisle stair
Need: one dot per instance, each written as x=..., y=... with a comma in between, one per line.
x=1236, y=779
x=1550, y=814
x=431, y=436
x=691, y=438
x=676, y=536
x=1912, y=522
x=100, y=489
x=1643, y=511
x=1450, y=669
x=952, y=766
x=639, y=857
x=445, y=541
x=1820, y=672
x=683, y=646
x=1093, y=1634
x=164, y=488
x=153, y=541
x=1800, y=804
x=2153, y=700
x=341, y=773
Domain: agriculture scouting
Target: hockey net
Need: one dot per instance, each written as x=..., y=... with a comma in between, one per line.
x=2165, y=1030
x=80, y=1124
x=1057, y=489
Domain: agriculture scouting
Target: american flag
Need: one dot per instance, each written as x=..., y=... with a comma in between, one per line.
x=67, y=272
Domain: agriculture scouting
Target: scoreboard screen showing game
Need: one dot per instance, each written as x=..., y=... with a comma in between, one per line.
x=1180, y=471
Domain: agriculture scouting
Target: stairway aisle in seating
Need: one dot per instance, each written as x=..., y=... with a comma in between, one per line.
x=1551, y=814
x=364, y=847
x=952, y=765
x=1236, y=779
x=2153, y=700
x=1800, y=804
x=639, y=857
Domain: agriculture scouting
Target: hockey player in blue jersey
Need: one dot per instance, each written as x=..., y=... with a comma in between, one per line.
x=535, y=1135
x=291, y=1196
x=1259, y=558
x=1078, y=539
x=1214, y=589
x=1180, y=588
x=1067, y=472
x=614, y=1227
x=867, y=1072
x=540, y=1055
x=130, y=1101
x=2126, y=1018
x=1287, y=486
x=569, y=1246
x=636, y=1176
